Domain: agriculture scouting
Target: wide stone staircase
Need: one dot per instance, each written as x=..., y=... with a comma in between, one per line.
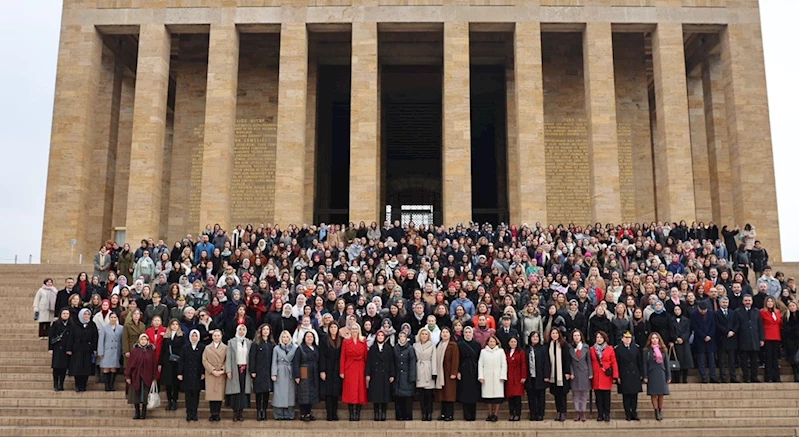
x=29, y=407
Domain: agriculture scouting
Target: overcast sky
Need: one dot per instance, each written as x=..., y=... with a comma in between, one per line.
x=29, y=47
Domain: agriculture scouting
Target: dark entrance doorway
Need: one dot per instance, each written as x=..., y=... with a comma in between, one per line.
x=411, y=139
x=331, y=204
x=489, y=144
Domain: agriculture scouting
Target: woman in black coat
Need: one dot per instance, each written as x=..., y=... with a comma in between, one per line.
x=82, y=348
x=468, y=384
x=405, y=380
x=598, y=322
x=191, y=373
x=660, y=322
x=260, y=362
x=306, y=368
x=538, y=369
x=171, y=349
x=681, y=328
x=628, y=356
x=559, y=374
x=59, y=336
x=329, y=365
x=790, y=337
x=380, y=375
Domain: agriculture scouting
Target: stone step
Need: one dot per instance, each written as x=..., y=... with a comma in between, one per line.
x=122, y=409
x=417, y=427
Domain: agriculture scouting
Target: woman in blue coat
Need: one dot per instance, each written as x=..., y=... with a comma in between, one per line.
x=109, y=350
x=656, y=372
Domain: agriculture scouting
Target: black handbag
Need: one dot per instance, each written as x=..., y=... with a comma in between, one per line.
x=609, y=371
x=674, y=363
x=172, y=357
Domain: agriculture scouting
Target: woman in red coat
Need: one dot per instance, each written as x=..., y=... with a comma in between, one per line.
x=772, y=330
x=517, y=375
x=156, y=334
x=354, y=353
x=606, y=370
x=140, y=374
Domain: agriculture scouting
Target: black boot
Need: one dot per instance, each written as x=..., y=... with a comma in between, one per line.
x=383, y=408
x=351, y=408
x=137, y=409
x=61, y=380
x=358, y=413
x=377, y=412
x=112, y=378
x=55, y=382
x=143, y=411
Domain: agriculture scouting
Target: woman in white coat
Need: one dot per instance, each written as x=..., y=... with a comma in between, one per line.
x=492, y=372
x=426, y=371
x=44, y=307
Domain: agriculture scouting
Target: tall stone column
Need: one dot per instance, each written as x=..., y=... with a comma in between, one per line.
x=65, y=213
x=291, y=115
x=600, y=110
x=364, y=124
x=754, y=195
x=149, y=129
x=220, y=126
x=457, y=145
x=699, y=155
x=529, y=91
x=717, y=145
x=674, y=184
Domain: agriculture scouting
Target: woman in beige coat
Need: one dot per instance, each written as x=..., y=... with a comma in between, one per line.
x=44, y=307
x=214, y=358
x=492, y=372
x=426, y=370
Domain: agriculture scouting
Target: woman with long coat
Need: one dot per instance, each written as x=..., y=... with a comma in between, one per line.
x=140, y=374
x=448, y=364
x=329, y=365
x=405, y=380
x=109, y=350
x=681, y=328
x=283, y=377
x=171, y=348
x=605, y=370
x=426, y=372
x=656, y=372
x=261, y=368
x=60, y=332
x=191, y=373
x=492, y=372
x=132, y=330
x=628, y=357
x=517, y=376
x=538, y=369
x=353, y=371
x=582, y=373
x=126, y=263
x=214, y=358
x=790, y=337
x=239, y=382
x=44, y=306
x=380, y=374
x=559, y=374
x=82, y=348
x=660, y=321
x=306, y=370
x=468, y=383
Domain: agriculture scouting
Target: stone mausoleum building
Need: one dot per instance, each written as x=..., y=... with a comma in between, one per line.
x=172, y=114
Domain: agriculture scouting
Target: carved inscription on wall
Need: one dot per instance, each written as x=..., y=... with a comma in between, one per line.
x=568, y=177
x=196, y=177
x=626, y=177
x=256, y=139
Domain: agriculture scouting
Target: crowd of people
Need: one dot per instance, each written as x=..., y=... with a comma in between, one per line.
x=398, y=313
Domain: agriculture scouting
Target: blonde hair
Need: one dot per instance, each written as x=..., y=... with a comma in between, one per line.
x=286, y=335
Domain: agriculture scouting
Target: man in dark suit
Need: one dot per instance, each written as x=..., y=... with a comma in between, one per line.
x=62, y=297
x=703, y=322
x=726, y=340
x=506, y=332
x=750, y=338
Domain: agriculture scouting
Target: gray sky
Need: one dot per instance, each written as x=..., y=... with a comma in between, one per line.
x=29, y=47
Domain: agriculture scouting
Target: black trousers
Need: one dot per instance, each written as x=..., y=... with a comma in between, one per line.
x=216, y=407
x=81, y=381
x=403, y=407
x=192, y=402
x=331, y=405
x=727, y=364
x=172, y=392
x=630, y=403
x=426, y=401
x=305, y=409
x=536, y=401
x=560, y=398
x=709, y=360
x=469, y=411
x=44, y=329
x=515, y=405
x=749, y=362
x=602, y=402
x=261, y=400
x=772, y=352
x=447, y=409
x=59, y=375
